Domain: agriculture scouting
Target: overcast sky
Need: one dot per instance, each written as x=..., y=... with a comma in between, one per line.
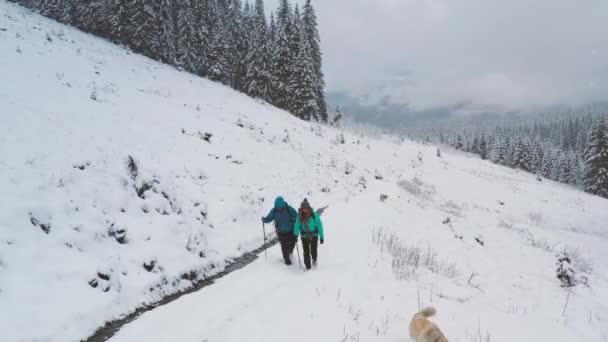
x=503, y=53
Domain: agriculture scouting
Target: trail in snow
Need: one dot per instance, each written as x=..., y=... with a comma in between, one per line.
x=111, y=328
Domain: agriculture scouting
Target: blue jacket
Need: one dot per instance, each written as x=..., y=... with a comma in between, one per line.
x=283, y=215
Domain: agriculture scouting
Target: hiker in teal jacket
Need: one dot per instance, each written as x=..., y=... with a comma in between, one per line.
x=284, y=217
x=309, y=224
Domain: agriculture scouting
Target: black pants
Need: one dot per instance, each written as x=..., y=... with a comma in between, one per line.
x=310, y=250
x=288, y=243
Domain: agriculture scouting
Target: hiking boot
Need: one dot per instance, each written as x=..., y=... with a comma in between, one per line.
x=288, y=262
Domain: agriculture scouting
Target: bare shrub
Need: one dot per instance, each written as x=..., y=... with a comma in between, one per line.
x=408, y=259
x=536, y=218
x=452, y=208
x=541, y=243
x=417, y=188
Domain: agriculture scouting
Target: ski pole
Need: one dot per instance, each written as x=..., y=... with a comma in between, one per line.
x=264, y=232
x=298, y=250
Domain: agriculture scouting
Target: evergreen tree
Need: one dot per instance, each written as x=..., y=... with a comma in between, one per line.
x=483, y=147
x=338, y=117
x=521, y=156
x=218, y=64
x=567, y=169
x=536, y=161
x=283, y=56
x=169, y=32
x=314, y=41
x=187, y=34
x=501, y=153
x=303, y=82
x=549, y=165
x=145, y=19
x=259, y=59
x=459, y=144
x=595, y=176
x=236, y=43
x=118, y=21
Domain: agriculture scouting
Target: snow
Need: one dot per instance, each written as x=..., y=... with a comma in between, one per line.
x=76, y=107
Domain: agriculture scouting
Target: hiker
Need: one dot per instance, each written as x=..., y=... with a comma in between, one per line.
x=284, y=217
x=309, y=224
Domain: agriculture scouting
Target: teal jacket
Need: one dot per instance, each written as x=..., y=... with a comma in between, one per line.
x=314, y=227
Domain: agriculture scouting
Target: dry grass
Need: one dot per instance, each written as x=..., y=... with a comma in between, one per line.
x=408, y=259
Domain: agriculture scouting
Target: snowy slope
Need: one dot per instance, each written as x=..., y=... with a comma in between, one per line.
x=75, y=212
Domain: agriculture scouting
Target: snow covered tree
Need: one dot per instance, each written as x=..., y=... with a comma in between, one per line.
x=459, y=143
x=567, y=169
x=283, y=56
x=336, y=121
x=595, y=176
x=186, y=49
x=521, y=155
x=236, y=43
x=145, y=20
x=311, y=31
x=118, y=21
x=303, y=82
x=536, y=158
x=483, y=147
x=218, y=66
x=168, y=30
x=259, y=58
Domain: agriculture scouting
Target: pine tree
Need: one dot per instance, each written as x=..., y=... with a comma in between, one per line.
x=314, y=40
x=218, y=64
x=483, y=147
x=501, y=153
x=118, y=20
x=259, y=59
x=459, y=144
x=521, y=156
x=236, y=43
x=303, y=82
x=338, y=117
x=537, y=155
x=567, y=169
x=168, y=30
x=145, y=20
x=595, y=176
x=283, y=56
x=549, y=166
x=186, y=49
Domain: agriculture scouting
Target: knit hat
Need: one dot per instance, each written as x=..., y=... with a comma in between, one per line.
x=305, y=204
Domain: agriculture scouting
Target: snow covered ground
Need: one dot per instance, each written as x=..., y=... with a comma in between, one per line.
x=122, y=179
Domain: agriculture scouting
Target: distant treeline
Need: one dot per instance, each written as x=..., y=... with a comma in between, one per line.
x=570, y=147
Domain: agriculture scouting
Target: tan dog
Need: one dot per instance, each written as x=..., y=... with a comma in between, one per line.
x=423, y=330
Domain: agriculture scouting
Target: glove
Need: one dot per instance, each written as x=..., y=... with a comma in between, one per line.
x=263, y=221
x=322, y=240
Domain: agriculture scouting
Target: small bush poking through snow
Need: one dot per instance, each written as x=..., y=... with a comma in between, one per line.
x=417, y=188
x=565, y=271
x=408, y=259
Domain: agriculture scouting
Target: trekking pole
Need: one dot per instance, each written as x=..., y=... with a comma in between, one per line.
x=264, y=232
x=298, y=250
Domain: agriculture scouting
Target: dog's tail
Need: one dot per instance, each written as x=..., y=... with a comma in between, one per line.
x=427, y=312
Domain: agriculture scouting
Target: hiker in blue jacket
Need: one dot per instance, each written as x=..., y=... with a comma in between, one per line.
x=284, y=217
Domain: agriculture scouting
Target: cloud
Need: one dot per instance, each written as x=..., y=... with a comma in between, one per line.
x=495, y=53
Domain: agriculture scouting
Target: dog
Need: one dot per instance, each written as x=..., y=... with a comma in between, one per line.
x=423, y=330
